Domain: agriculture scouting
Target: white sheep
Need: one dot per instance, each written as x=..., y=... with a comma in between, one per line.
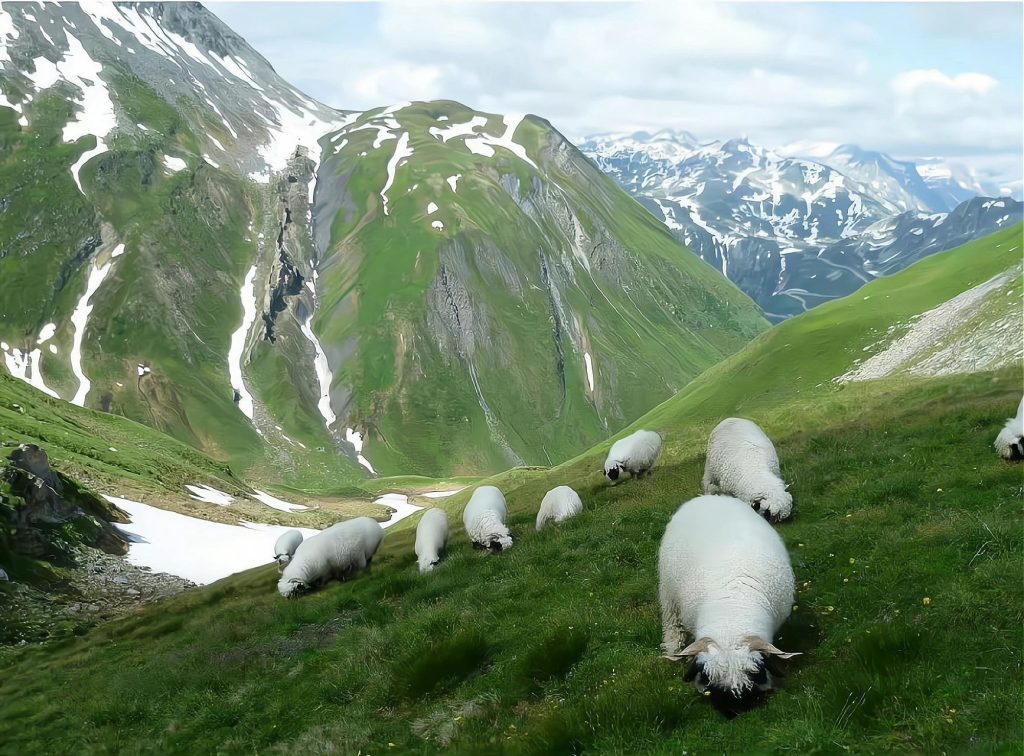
x=339, y=552
x=484, y=518
x=285, y=547
x=724, y=580
x=558, y=505
x=431, y=538
x=1010, y=441
x=635, y=454
x=742, y=462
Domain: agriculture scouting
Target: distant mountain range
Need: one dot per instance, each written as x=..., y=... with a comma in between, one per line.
x=796, y=231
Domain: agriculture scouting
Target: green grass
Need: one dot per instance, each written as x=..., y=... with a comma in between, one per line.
x=906, y=542
x=553, y=647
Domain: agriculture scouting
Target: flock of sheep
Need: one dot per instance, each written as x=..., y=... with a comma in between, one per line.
x=725, y=580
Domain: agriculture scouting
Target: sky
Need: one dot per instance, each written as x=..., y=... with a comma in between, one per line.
x=911, y=79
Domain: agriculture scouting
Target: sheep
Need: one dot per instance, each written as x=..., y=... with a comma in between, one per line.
x=339, y=552
x=558, y=505
x=484, y=518
x=725, y=580
x=635, y=454
x=1010, y=441
x=742, y=462
x=431, y=537
x=285, y=547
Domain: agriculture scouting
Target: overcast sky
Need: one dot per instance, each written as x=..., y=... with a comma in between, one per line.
x=910, y=79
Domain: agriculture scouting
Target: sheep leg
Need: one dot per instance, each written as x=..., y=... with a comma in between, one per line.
x=710, y=484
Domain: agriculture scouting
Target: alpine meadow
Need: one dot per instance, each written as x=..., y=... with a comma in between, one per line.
x=531, y=425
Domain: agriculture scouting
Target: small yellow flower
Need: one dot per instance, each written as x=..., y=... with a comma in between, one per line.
x=831, y=609
x=707, y=693
x=846, y=580
x=795, y=607
x=853, y=561
x=926, y=601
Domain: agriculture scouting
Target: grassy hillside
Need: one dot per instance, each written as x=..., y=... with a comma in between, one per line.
x=906, y=543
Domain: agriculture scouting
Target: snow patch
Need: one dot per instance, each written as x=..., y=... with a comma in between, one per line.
x=399, y=503
x=209, y=495
x=590, y=370
x=438, y=225
x=26, y=366
x=238, y=338
x=323, y=371
x=453, y=180
x=355, y=438
x=196, y=549
x=431, y=208
x=275, y=503
x=47, y=333
x=441, y=494
x=402, y=150
x=79, y=319
x=174, y=164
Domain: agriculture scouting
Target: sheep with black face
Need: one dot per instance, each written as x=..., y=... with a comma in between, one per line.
x=285, y=547
x=338, y=553
x=484, y=518
x=635, y=454
x=1010, y=441
x=742, y=462
x=725, y=588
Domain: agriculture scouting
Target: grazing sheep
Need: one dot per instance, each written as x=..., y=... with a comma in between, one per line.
x=285, y=547
x=635, y=454
x=1010, y=441
x=742, y=462
x=431, y=537
x=726, y=581
x=559, y=504
x=484, y=519
x=338, y=553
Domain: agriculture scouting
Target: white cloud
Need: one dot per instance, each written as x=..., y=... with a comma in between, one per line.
x=910, y=82
x=398, y=81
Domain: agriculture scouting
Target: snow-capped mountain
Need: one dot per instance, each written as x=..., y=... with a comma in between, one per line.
x=762, y=218
x=188, y=240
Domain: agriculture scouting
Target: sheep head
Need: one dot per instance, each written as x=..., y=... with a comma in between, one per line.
x=734, y=679
x=613, y=472
x=292, y=587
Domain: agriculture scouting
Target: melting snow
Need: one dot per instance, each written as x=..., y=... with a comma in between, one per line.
x=26, y=366
x=400, y=503
x=458, y=129
x=47, y=333
x=174, y=164
x=590, y=370
x=238, y=338
x=437, y=225
x=275, y=503
x=323, y=371
x=79, y=318
x=196, y=549
x=210, y=495
x=440, y=494
x=402, y=150
x=356, y=439
x=453, y=180
x=431, y=208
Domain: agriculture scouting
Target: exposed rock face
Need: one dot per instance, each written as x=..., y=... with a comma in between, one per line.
x=47, y=514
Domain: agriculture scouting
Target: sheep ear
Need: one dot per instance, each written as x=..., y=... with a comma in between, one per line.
x=757, y=644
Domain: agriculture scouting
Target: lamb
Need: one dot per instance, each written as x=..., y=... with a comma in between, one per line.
x=558, y=505
x=725, y=580
x=635, y=454
x=742, y=462
x=1010, y=441
x=339, y=552
x=285, y=547
x=431, y=537
x=484, y=518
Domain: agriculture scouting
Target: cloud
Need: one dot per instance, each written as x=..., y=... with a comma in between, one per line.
x=776, y=73
x=910, y=82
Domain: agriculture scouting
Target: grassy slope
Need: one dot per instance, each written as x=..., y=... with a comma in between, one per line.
x=417, y=398
x=553, y=647
x=171, y=301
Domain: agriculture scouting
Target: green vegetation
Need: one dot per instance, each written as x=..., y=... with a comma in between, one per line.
x=906, y=542
x=494, y=313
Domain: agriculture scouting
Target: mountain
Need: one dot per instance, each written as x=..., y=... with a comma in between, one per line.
x=905, y=540
x=782, y=227
x=189, y=241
